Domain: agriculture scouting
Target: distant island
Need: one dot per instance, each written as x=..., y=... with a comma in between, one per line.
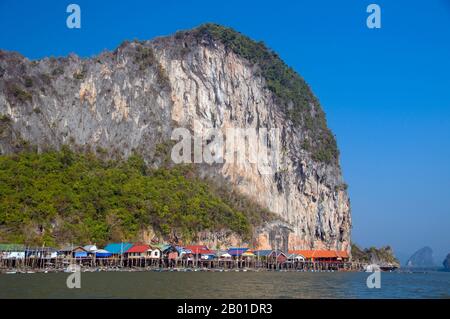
x=422, y=258
x=446, y=263
x=383, y=256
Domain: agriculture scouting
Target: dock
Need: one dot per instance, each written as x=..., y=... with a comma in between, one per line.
x=167, y=257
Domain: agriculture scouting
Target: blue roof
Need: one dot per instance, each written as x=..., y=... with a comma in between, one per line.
x=103, y=254
x=165, y=248
x=237, y=251
x=80, y=254
x=263, y=253
x=181, y=250
x=118, y=248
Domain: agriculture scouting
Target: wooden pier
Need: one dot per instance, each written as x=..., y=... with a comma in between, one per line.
x=48, y=264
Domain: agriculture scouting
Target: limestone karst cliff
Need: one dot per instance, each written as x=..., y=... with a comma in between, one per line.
x=422, y=258
x=131, y=99
x=446, y=263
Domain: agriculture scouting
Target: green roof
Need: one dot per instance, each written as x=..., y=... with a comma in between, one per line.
x=11, y=247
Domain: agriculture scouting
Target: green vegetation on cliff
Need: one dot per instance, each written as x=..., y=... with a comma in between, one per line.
x=61, y=196
x=291, y=90
x=383, y=255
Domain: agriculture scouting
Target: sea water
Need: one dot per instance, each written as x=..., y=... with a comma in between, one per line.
x=226, y=285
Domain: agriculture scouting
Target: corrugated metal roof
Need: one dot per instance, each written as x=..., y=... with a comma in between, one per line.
x=118, y=248
x=101, y=253
x=321, y=253
x=221, y=252
x=199, y=249
x=138, y=248
x=279, y=253
x=263, y=253
x=235, y=251
x=248, y=253
x=41, y=249
x=90, y=248
x=11, y=247
x=182, y=250
x=164, y=247
x=70, y=248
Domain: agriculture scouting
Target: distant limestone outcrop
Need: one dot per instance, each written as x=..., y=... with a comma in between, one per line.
x=446, y=263
x=383, y=256
x=421, y=258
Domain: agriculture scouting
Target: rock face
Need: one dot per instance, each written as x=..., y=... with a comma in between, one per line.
x=446, y=263
x=131, y=100
x=383, y=256
x=421, y=258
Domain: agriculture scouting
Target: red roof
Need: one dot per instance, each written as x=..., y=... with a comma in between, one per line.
x=199, y=249
x=138, y=248
x=321, y=253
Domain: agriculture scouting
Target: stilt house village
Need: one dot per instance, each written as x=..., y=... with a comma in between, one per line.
x=167, y=257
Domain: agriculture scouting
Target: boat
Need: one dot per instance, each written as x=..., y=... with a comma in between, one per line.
x=72, y=268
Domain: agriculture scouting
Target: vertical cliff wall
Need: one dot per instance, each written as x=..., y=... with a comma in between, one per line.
x=131, y=100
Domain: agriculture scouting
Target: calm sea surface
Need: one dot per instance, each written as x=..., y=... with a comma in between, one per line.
x=225, y=285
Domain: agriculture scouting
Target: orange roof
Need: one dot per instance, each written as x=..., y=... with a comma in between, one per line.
x=321, y=253
x=342, y=253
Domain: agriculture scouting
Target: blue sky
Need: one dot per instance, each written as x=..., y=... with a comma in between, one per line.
x=386, y=92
